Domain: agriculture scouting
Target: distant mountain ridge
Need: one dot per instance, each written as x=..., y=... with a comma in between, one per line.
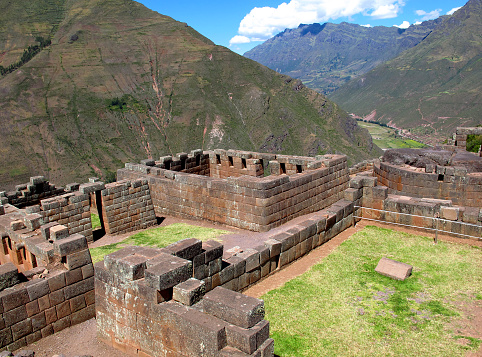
x=431, y=88
x=326, y=56
x=119, y=82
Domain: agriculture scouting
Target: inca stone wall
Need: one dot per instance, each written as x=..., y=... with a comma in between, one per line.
x=127, y=206
x=257, y=204
x=71, y=210
x=433, y=214
x=30, y=193
x=46, y=279
x=443, y=182
x=148, y=304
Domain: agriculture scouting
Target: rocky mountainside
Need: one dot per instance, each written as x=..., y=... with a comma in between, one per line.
x=429, y=89
x=327, y=56
x=87, y=85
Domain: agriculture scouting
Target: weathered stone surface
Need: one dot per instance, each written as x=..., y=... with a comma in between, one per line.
x=58, y=232
x=233, y=307
x=186, y=248
x=69, y=245
x=189, y=292
x=168, y=271
x=8, y=276
x=393, y=269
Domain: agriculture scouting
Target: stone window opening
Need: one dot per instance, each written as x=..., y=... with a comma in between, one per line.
x=198, y=160
x=299, y=169
x=218, y=159
x=231, y=163
x=183, y=164
x=440, y=177
x=243, y=163
x=167, y=165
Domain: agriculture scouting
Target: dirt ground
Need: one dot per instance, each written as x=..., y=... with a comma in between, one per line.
x=81, y=339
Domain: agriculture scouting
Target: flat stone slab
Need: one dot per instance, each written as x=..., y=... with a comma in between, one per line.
x=393, y=269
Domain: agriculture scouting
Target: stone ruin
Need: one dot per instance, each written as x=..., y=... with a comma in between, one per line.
x=185, y=299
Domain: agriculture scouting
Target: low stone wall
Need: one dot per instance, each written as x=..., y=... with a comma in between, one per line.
x=30, y=193
x=71, y=210
x=434, y=214
x=257, y=204
x=447, y=183
x=46, y=279
x=183, y=300
x=127, y=206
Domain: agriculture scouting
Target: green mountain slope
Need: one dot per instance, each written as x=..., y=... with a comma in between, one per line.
x=120, y=82
x=430, y=89
x=327, y=56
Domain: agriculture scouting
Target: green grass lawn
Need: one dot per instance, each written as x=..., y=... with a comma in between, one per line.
x=95, y=220
x=341, y=307
x=158, y=237
x=387, y=138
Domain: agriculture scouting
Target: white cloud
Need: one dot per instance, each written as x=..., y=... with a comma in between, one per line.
x=388, y=11
x=453, y=10
x=418, y=23
x=239, y=39
x=428, y=15
x=367, y=25
x=264, y=22
x=404, y=25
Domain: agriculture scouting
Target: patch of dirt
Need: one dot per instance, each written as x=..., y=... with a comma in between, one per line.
x=469, y=324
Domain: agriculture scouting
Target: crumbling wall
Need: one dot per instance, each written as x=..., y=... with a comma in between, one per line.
x=127, y=206
x=429, y=213
x=30, y=193
x=440, y=182
x=148, y=305
x=197, y=163
x=46, y=279
x=71, y=210
x=257, y=204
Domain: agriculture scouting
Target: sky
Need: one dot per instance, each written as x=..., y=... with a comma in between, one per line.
x=242, y=25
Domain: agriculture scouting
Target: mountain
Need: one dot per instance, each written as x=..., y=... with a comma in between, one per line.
x=87, y=85
x=429, y=89
x=327, y=56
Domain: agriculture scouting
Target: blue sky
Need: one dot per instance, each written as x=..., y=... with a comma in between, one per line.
x=241, y=25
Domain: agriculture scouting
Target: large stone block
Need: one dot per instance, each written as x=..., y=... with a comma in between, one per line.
x=69, y=245
x=8, y=276
x=189, y=292
x=58, y=232
x=186, y=248
x=213, y=250
x=233, y=307
x=252, y=258
x=168, y=271
x=393, y=269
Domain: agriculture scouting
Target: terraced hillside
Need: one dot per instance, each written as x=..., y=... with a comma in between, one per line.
x=93, y=84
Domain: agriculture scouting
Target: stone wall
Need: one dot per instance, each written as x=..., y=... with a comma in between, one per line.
x=127, y=206
x=46, y=279
x=444, y=182
x=30, y=193
x=183, y=300
x=71, y=210
x=429, y=213
x=257, y=204
x=462, y=133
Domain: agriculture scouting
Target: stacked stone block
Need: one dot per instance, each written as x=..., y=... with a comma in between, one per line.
x=127, y=206
x=51, y=291
x=430, y=213
x=71, y=210
x=30, y=193
x=448, y=183
x=257, y=204
x=235, y=163
x=197, y=163
x=149, y=304
x=461, y=135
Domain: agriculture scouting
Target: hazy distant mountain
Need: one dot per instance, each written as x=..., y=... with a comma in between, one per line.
x=431, y=88
x=90, y=84
x=327, y=56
